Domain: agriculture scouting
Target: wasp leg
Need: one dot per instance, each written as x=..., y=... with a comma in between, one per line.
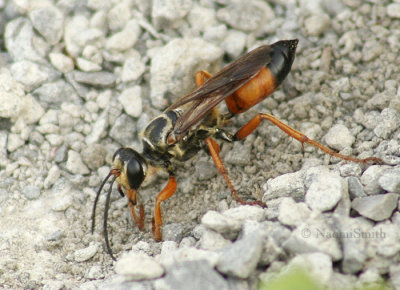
x=201, y=77
x=166, y=193
x=119, y=187
x=139, y=221
x=213, y=148
x=253, y=123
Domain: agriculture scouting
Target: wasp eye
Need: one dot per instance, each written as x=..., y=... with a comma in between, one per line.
x=132, y=165
x=135, y=172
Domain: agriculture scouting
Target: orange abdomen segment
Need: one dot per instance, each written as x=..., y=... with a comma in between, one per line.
x=256, y=90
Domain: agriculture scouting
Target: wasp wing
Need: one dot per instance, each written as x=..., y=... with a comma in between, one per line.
x=220, y=86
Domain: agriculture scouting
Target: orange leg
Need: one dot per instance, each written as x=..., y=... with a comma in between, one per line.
x=201, y=77
x=213, y=148
x=253, y=123
x=166, y=193
x=139, y=221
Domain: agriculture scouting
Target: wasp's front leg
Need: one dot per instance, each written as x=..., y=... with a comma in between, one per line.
x=131, y=194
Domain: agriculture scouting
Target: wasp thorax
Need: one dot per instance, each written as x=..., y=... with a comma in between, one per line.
x=132, y=167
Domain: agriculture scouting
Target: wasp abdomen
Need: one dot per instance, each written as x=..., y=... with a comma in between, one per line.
x=267, y=80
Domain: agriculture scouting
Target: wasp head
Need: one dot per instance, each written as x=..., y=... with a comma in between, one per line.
x=129, y=170
x=129, y=167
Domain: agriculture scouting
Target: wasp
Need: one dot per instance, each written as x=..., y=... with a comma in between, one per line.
x=193, y=123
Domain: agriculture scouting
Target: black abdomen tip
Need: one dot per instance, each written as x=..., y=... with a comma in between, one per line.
x=284, y=52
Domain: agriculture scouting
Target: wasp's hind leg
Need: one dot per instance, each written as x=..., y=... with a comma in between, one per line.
x=201, y=77
x=213, y=149
x=256, y=120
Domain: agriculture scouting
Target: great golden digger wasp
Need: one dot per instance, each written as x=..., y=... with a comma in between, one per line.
x=193, y=123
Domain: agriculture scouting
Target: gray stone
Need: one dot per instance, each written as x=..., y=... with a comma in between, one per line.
x=205, y=170
x=390, y=180
x=173, y=67
x=245, y=213
x=353, y=243
x=131, y=100
x=19, y=40
x=133, y=67
x=31, y=192
x=138, y=266
x=241, y=258
x=246, y=16
x=292, y=213
x=191, y=254
x=196, y=275
x=99, y=79
x=286, y=185
x=390, y=121
x=167, y=13
x=376, y=207
x=86, y=253
x=339, y=137
x=55, y=93
x=12, y=95
x=32, y=74
x=75, y=164
x=93, y=156
x=355, y=187
x=123, y=130
x=98, y=128
x=49, y=22
x=370, y=179
x=239, y=155
x=314, y=235
x=173, y=232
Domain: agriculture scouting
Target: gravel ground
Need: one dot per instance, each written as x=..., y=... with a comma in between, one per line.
x=79, y=79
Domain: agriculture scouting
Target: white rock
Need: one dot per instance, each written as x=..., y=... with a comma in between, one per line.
x=61, y=62
x=339, y=137
x=290, y=184
x=393, y=10
x=317, y=24
x=292, y=213
x=131, y=100
x=86, y=253
x=173, y=67
x=75, y=164
x=325, y=192
x=133, y=67
x=124, y=39
x=138, y=266
x=12, y=96
x=14, y=142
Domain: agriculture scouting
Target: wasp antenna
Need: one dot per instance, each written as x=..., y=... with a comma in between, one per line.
x=108, y=201
x=96, y=200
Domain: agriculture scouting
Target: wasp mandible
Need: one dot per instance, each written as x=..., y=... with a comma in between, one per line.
x=193, y=123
